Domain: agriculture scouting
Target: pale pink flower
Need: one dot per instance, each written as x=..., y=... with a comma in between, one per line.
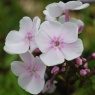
x=30, y=72
x=21, y=41
x=58, y=42
x=78, y=22
x=56, y=9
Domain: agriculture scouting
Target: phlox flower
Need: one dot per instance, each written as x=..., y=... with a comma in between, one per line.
x=21, y=41
x=78, y=22
x=56, y=9
x=30, y=73
x=58, y=42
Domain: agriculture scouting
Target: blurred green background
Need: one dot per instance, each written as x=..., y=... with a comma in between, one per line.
x=11, y=11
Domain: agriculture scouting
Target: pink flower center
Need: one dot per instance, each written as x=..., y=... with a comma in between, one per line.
x=29, y=36
x=31, y=70
x=57, y=43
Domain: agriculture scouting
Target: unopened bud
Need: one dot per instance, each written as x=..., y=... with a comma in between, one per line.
x=63, y=69
x=87, y=70
x=86, y=65
x=83, y=72
x=78, y=62
x=84, y=60
x=93, y=55
x=37, y=50
x=55, y=69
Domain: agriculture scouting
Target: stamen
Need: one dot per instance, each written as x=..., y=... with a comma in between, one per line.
x=57, y=43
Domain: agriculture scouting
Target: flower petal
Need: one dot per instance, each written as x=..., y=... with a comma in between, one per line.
x=82, y=6
x=16, y=48
x=40, y=66
x=62, y=19
x=54, y=9
x=51, y=28
x=24, y=79
x=36, y=85
x=28, y=58
x=52, y=57
x=43, y=41
x=14, y=37
x=33, y=45
x=69, y=32
x=36, y=24
x=33, y=84
x=18, y=68
x=25, y=25
x=48, y=16
x=79, y=23
x=72, y=4
x=73, y=50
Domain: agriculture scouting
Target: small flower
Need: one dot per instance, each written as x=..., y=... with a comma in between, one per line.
x=30, y=72
x=56, y=9
x=78, y=22
x=21, y=41
x=58, y=42
x=49, y=88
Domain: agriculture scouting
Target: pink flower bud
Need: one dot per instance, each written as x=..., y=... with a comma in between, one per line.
x=87, y=70
x=93, y=55
x=84, y=60
x=83, y=72
x=55, y=69
x=63, y=69
x=86, y=65
x=80, y=29
x=37, y=50
x=78, y=61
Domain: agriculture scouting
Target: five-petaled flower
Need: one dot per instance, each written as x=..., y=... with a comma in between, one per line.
x=58, y=42
x=30, y=72
x=22, y=41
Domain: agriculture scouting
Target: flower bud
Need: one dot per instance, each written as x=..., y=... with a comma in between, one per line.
x=87, y=70
x=84, y=60
x=37, y=50
x=78, y=62
x=93, y=55
x=55, y=69
x=63, y=69
x=86, y=65
x=83, y=72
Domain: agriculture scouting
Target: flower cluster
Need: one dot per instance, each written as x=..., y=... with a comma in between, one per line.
x=57, y=41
